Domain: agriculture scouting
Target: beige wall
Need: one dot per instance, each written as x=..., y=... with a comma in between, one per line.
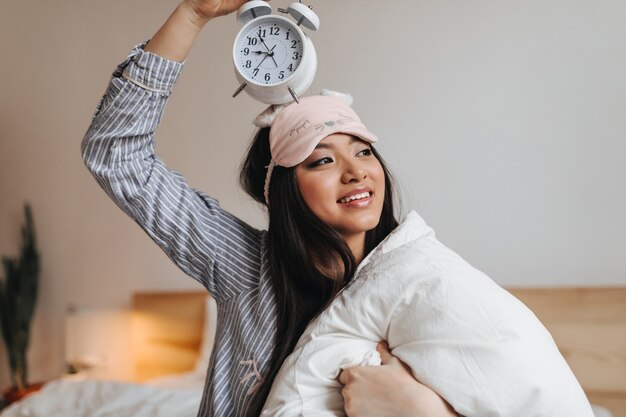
x=503, y=120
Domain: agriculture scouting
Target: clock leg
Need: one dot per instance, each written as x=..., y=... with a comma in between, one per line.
x=293, y=94
x=240, y=89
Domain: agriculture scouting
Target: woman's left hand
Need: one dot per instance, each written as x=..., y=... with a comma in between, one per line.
x=389, y=390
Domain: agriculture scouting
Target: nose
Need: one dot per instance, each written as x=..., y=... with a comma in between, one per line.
x=353, y=172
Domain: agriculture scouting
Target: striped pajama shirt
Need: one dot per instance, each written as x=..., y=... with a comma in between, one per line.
x=226, y=255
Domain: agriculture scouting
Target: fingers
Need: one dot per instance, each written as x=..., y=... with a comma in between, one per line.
x=387, y=358
x=385, y=355
x=344, y=376
x=348, y=375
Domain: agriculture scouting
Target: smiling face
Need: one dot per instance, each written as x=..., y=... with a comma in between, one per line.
x=343, y=184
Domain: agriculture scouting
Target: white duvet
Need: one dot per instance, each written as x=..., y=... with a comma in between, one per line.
x=461, y=334
x=178, y=397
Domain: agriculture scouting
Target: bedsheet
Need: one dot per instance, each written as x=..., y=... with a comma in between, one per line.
x=177, y=395
x=97, y=398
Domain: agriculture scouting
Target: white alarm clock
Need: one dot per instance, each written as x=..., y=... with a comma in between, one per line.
x=275, y=61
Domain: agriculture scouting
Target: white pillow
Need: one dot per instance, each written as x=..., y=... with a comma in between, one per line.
x=599, y=411
x=460, y=333
x=208, y=336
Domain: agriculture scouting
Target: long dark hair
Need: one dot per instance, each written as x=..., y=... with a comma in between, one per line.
x=309, y=261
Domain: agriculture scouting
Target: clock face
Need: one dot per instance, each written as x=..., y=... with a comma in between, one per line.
x=268, y=50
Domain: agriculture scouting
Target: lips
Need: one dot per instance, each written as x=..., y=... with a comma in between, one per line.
x=355, y=195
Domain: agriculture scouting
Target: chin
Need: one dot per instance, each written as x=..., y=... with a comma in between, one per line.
x=360, y=225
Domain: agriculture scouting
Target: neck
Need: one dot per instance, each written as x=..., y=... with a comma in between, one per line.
x=356, y=243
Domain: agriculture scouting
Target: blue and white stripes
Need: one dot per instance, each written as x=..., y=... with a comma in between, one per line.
x=223, y=253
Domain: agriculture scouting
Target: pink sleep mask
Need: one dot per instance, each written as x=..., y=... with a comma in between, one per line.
x=299, y=127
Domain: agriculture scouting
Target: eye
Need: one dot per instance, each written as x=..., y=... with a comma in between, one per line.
x=323, y=161
x=365, y=152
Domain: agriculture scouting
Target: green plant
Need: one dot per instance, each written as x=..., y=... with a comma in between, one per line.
x=18, y=294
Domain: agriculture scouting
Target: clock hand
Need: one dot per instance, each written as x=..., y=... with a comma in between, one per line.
x=264, y=58
x=272, y=55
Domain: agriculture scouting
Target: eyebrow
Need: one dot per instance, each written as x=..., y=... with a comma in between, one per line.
x=328, y=146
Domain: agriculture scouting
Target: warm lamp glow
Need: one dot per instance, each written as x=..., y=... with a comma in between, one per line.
x=162, y=345
x=98, y=343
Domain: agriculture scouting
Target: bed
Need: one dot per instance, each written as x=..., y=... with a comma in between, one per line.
x=589, y=327
x=173, y=337
x=172, y=342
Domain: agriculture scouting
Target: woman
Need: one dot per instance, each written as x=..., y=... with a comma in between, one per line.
x=461, y=334
x=267, y=286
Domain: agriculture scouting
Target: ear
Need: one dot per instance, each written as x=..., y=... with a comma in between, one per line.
x=266, y=118
x=346, y=98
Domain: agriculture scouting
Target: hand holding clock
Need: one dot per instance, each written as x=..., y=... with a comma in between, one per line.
x=208, y=9
x=175, y=38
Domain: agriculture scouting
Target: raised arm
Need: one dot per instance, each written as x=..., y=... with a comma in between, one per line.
x=175, y=38
x=209, y=244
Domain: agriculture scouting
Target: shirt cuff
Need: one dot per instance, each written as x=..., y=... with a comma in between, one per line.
x=149, y=71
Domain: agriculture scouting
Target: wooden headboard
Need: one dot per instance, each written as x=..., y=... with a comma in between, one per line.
x=588, y=325
x=167, y=332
